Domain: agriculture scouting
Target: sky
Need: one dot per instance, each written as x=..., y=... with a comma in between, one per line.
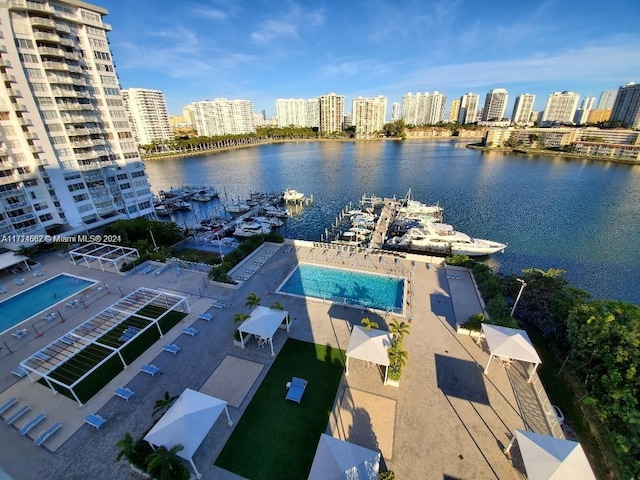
x=264, y=50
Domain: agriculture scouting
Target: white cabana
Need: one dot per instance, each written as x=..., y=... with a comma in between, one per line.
x=187, y=423
x=549, y=458
x=510, y=344
x=370, y=346
x=336, y=460
x=263, y=323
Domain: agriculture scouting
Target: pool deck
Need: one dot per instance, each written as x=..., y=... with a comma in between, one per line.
x=446, y=419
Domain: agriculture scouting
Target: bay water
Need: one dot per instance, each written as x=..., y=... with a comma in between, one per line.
x=582, y=216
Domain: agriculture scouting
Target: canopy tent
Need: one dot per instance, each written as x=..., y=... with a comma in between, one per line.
x=263, y=323
x=337, y=459
x=549, y=458
x=370, y=346
x=9, y=259
x=187, y=423
x=510, y=344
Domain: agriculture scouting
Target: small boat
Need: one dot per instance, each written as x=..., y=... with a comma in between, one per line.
x=180, y=204
x=249, y=229
x=238, y=208
x=276, y=211
x=291, y=195
x=273, y=221
x=202, y=196
x=163, y=210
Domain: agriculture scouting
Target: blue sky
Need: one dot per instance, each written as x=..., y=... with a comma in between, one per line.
x=264, y=50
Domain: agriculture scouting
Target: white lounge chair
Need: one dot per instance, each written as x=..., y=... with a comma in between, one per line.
x=20, y=281
x=171, y=348
x=124, y=392
x=95, y=420
x=20, y=333
x=38, y=273
x=149, y=368
x=73, y=303
x=3, y=290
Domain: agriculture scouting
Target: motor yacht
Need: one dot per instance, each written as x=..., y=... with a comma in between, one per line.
x=442, y=238
x=276, y=211
x=291, y=195
x=269, y=220
x=248, y=229
x=238, y=208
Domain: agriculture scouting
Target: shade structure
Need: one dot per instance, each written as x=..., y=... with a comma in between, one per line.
x=263, y=323
x=9, y=259
x=549, y=458
x=187, y=423
x=369, y=345
x=336, y=459
x=510, y=343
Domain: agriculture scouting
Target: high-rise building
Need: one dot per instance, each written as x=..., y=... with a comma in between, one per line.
x=454, y=111
x=68, y=158
x=369, y=115
x=187, y=113
x=291, y=111
x=626, y=108
x=148, y=114
x=468, y=108
x=607, y=99
x=560, y=107
x=223, y=117
x=423, y=109
x=313, y=113
x=331, y=113
x=495, y=104
x=395, y=111
x=522, y=109
x=582, y=114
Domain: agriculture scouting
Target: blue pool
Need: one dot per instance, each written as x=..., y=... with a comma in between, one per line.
x=379, y=292
x=26, y=304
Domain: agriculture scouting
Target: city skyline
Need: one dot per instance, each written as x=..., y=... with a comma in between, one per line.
x=197, y=51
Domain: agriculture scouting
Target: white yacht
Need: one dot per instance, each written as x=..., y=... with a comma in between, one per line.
x=442, y=238
x=269, y=220
x=248, y=229
x=276, y=211
x=291, y=195
x=180, y=204
x=238, y=208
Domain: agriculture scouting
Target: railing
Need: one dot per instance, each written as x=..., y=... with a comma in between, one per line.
x=58, y=52
x=51, y=37
x=14, y=93
x=48, y=65
x=47, y=22
x=8, y=78
x=30, y=6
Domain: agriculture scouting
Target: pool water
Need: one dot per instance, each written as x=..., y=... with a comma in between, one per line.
x=379, y=292
x=26, y=304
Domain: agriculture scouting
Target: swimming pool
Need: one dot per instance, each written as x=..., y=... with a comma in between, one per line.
x=26, y=304
x=369, y=290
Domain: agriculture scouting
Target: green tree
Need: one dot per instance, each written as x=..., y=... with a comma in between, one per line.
x=252, y=300
x=240, y=317
x=125, y=447
x=163, y=404
x=166, y=465
x=276, y=306
x=369, y=324
x=398, y=329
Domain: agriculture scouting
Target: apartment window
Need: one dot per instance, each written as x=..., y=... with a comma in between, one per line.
x=131, y=209
x=106, y=79
x=111, y=91
x=39, y=87
x=31, y=183
x=124, y=135
x=24, y=43
x=100, y=55
x=44, y=101
x=125, y=186
x=95, y=31
x=114, y=102
x=28, y=58
x=93, y=17
x=75, y=186
x=63, y=152
x=59, y=8
x=49, y=114
x=128, y=195
x=72, y=175
x=46, y=217
x=54, y=127
x=80, y=198
x=138, y=173
x=120, y=124
x=144, y=205
x=118, y=113
x=34, y=72
x=23, y=169
x=85, y=208
x=58, y=140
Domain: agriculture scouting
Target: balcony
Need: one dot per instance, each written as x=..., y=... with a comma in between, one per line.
x=8, y=78
x=69, y=106
x=51, y=51
x=87, y=106
x=14, y=93
x=19, y=107
x=83, y=94
x=41, y=162
x=75, y=69
x=107, y=26
x=81, y=143
x=71, y=56
x=10, y=193
x=31, y=229
x=72, y=132
x=74, y=119
x=23, y=218
x=47, y=37
x=60, y=79
x=7, y=179
x=30, y=135
x=25, y=122
x=79, y=81
x=59, y=92
x=55, y=66
x=26, y=5
x=42, y=22
x=36, y=149
x=5, y=63
x=87, y=156
x=15, y=205
x=61, y=27
x=67, y=42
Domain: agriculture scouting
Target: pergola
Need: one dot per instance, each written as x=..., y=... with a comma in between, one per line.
x=9, y=259
x=369, y=345
x=45, y=361
x=263, y=323
x=187, y=423
x=102, y=253
x=549, y=458
x=510, y=344
x=337, y=459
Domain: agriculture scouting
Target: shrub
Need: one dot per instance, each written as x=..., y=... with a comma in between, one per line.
x=388, y=475
x=474, y=322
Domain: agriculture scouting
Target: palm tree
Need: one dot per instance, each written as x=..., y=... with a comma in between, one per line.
x=252, y=300
x=368, y=324
x=126, y=447
x=165, y=465
x=276, y=306
x=240, y=317
x=398, y=329
x=164, y=403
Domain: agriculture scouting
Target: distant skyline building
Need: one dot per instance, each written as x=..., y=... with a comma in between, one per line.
x=607, y=99
x=522, y=109
x=395, y=111
x=582, y=114
x=223, y=117
x=597, y=116
x=291, y=111
x=626, y=108
x=423, y=109
x=369, y=115
x=560, y=108
x=468, y=108
x=454, y=110
x=495, y=104
x=331, y=113
x=148, y=114
x=313, y=113
x=69, y=161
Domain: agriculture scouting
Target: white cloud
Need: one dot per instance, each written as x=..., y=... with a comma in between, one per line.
x=273, y=29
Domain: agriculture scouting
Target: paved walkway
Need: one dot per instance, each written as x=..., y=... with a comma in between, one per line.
x=449, y=420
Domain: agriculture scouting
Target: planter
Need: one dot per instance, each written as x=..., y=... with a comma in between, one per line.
x=393, y=383
x=138, y=471
x=238, y=343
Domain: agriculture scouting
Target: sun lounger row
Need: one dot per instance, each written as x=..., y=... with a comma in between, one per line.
x=20, y=333
x=8, y=404
x=242, y=278
x=260, y=264
x=3, y=290
x=205, y=316
x=248, y=270
x=46, y=433
x=218, y=304
x=31, y=424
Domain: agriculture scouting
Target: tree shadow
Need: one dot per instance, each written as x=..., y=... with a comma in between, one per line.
x=461, y=379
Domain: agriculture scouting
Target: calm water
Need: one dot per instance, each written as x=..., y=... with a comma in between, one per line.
x=354, y=288
x=576, y=215
x=39, y=298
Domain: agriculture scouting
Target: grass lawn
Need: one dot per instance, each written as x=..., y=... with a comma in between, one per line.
x=86, y=359
x=277, y=438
